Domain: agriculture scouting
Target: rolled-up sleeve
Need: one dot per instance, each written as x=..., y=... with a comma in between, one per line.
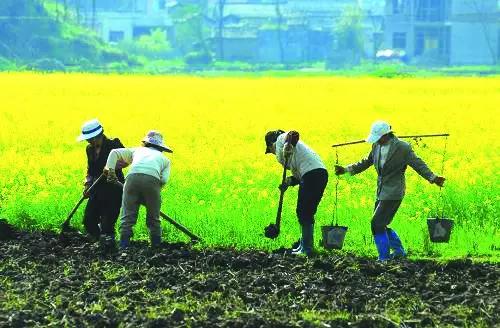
x=122, y=155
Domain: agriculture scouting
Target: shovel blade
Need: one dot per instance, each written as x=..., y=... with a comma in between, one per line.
x=272, y=231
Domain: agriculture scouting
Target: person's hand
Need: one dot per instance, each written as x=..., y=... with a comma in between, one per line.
x=284, y=186
x=339, y=170
x=110, y=174
x=287, y=150
x=86, y=190
x=439, y=181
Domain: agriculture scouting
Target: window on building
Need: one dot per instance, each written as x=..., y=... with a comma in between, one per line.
x=430, y=10
x=397, y=6
x=432, y=41
x=399, y=40
x=116, y=36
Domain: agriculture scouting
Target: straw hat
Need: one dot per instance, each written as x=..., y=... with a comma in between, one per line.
x=156, y=139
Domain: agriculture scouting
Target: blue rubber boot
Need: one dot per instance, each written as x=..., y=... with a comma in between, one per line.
x=124, y=243
x=382, y=243
x=395, y=244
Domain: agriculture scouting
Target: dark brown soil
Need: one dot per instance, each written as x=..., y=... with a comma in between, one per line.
x=46, y=281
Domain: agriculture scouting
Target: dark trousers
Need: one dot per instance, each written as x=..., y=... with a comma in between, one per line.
x=103, y=207
x=384, y=212
x=311, y=190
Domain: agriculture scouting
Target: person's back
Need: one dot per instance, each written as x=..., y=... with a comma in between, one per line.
x=149, y=172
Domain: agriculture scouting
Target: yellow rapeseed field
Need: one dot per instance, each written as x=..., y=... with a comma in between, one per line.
x=222, y=185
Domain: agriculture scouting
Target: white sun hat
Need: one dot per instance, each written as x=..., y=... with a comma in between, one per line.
x=90, y=129
x=155, y=138
x=379, y=128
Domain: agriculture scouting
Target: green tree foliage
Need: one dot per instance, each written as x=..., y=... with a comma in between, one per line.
x=190, y=32
x=154, y=45
x=349, y=35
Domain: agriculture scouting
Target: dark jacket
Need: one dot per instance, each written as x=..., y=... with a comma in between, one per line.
x=95, y=165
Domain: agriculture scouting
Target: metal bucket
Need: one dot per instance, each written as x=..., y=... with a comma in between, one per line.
x=439, y=229
x=333, y=236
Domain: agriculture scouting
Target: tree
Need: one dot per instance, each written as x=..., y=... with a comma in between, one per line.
x=190, y=32
x=220, y=28
x=279, y=16
x=349, y=33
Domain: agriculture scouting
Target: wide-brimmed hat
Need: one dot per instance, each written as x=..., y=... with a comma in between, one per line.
x=271, y=138
x=379, y=128
x=156, y=139
x=90, y=129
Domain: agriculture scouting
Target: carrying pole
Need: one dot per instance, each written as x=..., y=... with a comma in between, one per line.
x=400, y=137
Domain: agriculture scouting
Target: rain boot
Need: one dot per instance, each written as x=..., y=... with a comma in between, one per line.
x=307, y=240
x=382, y=243
x=124, y=243
x=155, y=241
x=297, y=246
x=395, y=244
x=107, y=243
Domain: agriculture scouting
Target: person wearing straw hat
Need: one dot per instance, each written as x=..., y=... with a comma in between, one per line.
x=103, y=206
x=390, y=157
x=309, y=172
x=149, y=172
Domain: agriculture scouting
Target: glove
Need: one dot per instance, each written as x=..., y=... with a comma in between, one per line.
x=283, y=187
x=110, y=174
x=439, y=181
x=339, y=170
x=292, y=137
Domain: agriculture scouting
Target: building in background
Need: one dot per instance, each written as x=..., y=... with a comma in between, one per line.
x=448, y=32
x=123, y=20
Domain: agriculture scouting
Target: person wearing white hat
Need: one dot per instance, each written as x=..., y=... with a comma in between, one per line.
x=103, y=206
x=390, y=157
x=149, y=172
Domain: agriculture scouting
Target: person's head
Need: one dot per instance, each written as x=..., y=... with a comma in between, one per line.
x=270, y=140
x=380, y=133
x=154, y=139
x=92, y=132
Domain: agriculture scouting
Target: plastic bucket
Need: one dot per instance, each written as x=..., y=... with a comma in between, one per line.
x=439, y=229
x=333, y=236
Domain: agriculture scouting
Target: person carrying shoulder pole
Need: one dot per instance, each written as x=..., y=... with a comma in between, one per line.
x=149, y=172
x=390, y=156
x=103, y=206
x=308, y=171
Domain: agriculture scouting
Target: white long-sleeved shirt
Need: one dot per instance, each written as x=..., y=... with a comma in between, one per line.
x=143, y=160
x=303, y=158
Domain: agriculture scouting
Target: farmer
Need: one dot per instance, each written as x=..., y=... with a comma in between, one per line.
x=149, y=172
x=390, y=157
x=103, y=206
x=309, y=172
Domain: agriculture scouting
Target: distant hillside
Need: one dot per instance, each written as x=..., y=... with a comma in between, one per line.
x=31, y=36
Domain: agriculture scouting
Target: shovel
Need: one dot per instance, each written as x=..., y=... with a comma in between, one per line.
x=65, y=227
x=272, y=231
x=177, y=225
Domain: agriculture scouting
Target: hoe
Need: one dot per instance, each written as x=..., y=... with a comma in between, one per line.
x=272, y=231
x=177, y=225
x=65, y=227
